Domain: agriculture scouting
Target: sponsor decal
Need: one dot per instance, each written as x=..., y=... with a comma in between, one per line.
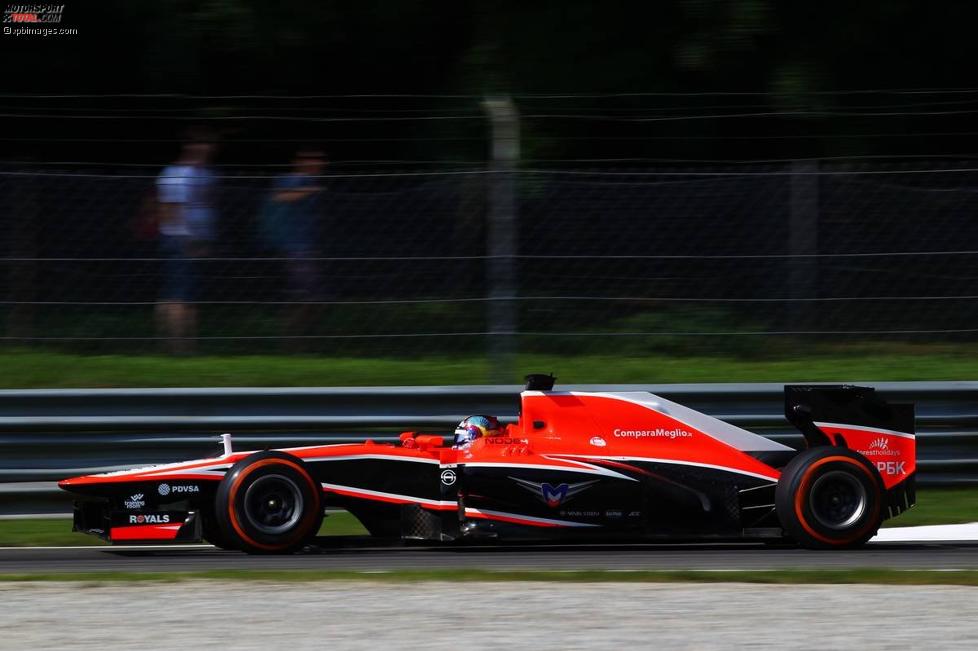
x=892, y=467
x=554, y=495
x=613, y=514
x=879, y=448
x=448, y=477
x=166, y=489
x=598, y=442
x=135, y=501
x=658, y=433
x=150, y=518
x=504, y=440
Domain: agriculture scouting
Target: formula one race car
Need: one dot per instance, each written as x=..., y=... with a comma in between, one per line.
x=576, y=465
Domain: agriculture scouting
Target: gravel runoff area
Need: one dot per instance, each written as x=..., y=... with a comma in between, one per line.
x=469, y=615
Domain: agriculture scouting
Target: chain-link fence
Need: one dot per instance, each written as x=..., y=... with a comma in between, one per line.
x=606, y=260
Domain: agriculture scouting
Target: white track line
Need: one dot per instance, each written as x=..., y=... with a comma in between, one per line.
x=932, y=533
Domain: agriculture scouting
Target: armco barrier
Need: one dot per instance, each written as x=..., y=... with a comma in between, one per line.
x=46, y=435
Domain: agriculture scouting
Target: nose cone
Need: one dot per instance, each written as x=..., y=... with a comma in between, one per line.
x=68, y=484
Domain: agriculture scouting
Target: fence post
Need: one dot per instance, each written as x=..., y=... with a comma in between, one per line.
x=502, y=238
x=803, y=242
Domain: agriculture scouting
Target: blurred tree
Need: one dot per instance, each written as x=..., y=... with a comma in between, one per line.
x=788, y=49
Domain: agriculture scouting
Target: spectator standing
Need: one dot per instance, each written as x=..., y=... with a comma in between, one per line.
x=185, y=191
x=291, y=224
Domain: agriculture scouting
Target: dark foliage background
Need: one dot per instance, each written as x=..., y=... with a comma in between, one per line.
x=776, y=56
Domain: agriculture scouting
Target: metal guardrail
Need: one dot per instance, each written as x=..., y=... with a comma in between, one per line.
x=46, y=435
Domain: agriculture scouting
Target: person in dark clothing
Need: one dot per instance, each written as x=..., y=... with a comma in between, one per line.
x=292, y=228
x=298, y=215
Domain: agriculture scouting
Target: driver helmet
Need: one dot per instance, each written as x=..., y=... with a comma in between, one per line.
x=474, y=427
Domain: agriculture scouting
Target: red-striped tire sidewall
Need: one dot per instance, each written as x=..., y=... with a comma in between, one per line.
x=793, y=503
x=230, y=498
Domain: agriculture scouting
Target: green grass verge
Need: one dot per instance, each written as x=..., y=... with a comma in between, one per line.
x=53, y=532
x=837, y=363
x=56, y=532
x=789, y=576
x=940, y=506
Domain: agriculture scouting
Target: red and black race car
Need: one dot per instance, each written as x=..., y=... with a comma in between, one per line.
x=575, y=465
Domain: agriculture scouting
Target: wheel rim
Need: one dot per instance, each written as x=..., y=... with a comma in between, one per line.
x=273, y=504
x=838, y=500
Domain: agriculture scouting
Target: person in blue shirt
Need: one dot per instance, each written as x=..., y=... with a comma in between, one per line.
x=185, y=193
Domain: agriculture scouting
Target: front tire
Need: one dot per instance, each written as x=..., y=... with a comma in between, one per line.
x=212, y=532
x=830, y=498
x=268, y=503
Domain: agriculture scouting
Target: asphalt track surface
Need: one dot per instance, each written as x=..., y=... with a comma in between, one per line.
x=355, y=554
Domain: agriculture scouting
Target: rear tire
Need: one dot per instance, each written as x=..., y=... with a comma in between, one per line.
x=268, y=503
x=830, y=498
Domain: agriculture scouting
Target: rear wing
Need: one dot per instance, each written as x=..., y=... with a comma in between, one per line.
x=814, y=408
x=857, y=418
